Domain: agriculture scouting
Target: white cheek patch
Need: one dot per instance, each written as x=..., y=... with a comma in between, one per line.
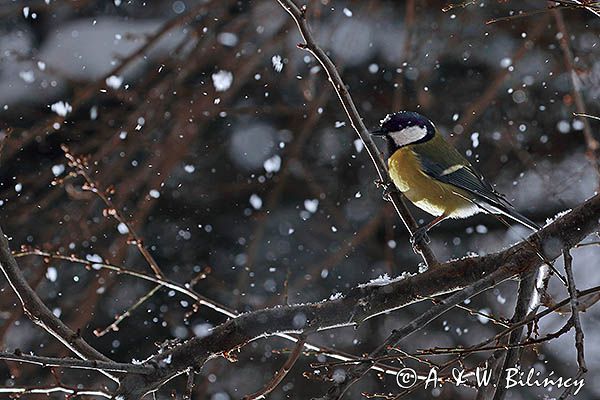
x=408, y=135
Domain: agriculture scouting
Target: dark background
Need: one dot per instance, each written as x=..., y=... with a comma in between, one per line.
x=263, y=186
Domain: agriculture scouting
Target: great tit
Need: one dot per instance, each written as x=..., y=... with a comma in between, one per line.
x=434, y=176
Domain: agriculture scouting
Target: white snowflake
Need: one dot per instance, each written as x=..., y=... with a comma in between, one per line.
x=272, y=164
x=58, y=169
x=311, y=205
x=27, y=76
x=222, y=80
x=277, y=63
x=62, y=108
x=114, y=81
x=255, y=201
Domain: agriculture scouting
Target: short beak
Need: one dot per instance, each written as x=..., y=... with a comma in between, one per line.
x=378, y=132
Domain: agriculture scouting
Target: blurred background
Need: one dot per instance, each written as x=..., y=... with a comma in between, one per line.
x=223, y=147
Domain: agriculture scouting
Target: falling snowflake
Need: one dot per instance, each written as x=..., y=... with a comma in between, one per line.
x=311, y=205
x=272, y=164
x=359, y=145
x=27, y=76
x=58, y=169
x=277, y=63
x=62, y=108
x=51, y=274
x=255, y=201
x=222, y=80
x=228, y=39
x=114, y=81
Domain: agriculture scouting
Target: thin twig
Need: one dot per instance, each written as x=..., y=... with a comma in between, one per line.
x=80, y=166
x=119, y=318
x=574, y=302
x=586, y=116
x=76, y=363
x=593, y=145
x=198, y=298
x=529, y=342
x=354, y=374
x=397, y=199
x=189, y=387
x=68, y=391
x=283, y=371
x=498, y=321
x=39, y=313
x=527, y=287
x=361, y=303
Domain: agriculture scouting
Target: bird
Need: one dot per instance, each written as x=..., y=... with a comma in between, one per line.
x=435, y=177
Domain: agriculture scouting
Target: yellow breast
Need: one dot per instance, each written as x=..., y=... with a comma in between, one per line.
x=428, y=194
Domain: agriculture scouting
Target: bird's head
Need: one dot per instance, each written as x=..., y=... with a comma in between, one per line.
x=405, y=128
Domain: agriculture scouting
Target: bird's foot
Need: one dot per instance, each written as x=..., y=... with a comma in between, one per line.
x=388, y=189
x=419, y=237
x=379, y=183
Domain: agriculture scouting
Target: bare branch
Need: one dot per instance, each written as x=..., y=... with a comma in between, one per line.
x=39, y=313
x=357, y=123
x=189, y=387
x=367, y=301
x=80, y=166
x=114, y=326
x=68, y=391
x=574, y=302
x=269, y=387
x=76, y=364
x=186, y=290
x=527, y=286
x=353, y=375
x=593, y=146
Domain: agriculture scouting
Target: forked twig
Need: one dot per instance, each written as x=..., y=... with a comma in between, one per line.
x=81, y=168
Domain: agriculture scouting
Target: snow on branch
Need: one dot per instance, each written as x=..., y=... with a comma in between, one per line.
x=469, y=275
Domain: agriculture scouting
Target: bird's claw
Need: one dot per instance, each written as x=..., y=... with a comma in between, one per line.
x=379, y=183
x=388, y=189
x=419, y=237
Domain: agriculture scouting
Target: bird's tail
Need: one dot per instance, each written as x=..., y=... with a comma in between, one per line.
x=515, y=216
x=503, y=207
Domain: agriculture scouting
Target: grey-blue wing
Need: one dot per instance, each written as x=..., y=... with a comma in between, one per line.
x=465, y=177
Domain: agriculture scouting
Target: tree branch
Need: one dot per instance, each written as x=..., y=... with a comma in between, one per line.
x=283, y=371
x=527, y=286
x=574, y=303
x=354, y=374
x=366, y=301
x=75, y=363
x=187, y=290
x=593, y=146
x=68, y=391
x=357, y=123
x=39, y=314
